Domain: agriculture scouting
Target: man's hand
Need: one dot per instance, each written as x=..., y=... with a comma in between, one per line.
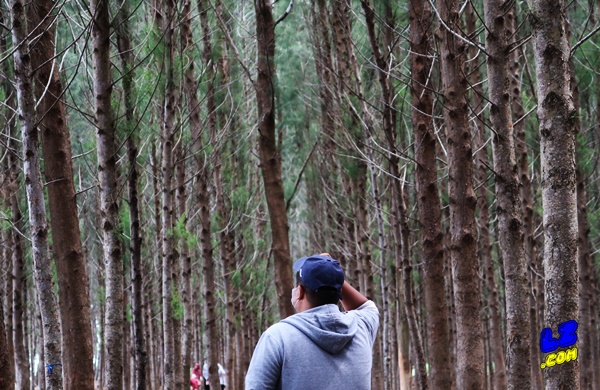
x=351, y=298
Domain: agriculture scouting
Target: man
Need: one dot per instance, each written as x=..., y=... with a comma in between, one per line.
x=319, y=347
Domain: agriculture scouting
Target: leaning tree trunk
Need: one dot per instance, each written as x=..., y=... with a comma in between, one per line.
x=35, y=200
x=508, y=204
x=557, y=120
x=74, y=303
x=270, y=153
x=26, y=103
x=124, y=45
x=109, y=199
x=167, y=128
x=463, y=246
x=428, y=202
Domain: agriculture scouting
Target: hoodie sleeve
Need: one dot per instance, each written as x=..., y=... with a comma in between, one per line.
x=368, y=314
x=265, y=367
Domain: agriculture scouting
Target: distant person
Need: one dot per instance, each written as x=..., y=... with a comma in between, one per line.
x=222, y=376
x=197, y=371
x=319, y=347
x=194, y=382
x=205, y=375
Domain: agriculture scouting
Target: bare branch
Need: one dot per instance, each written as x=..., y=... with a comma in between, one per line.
x=285, y=14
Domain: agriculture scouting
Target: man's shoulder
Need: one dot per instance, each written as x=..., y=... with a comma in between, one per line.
x=278, y=329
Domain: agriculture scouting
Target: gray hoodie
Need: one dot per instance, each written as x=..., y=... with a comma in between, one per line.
x=318, y=349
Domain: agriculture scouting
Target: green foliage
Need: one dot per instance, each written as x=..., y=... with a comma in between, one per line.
x=177, y=304
x=128, y=313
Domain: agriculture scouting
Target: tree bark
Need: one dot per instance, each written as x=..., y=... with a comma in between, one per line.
x=428, y=202
x=224, y=209
x=37, y=209
x=186, y=261
x=210, y=314
x=124, y=46
x=508, y=205
x=270, y=153
x=168, y=256
x=587, y=333
x=7, y=186
x=109, y=201
x=463, y=248
x=526, y=208
x=6, y=380
x=74, y=304
x=22, y=61
x=557, y=116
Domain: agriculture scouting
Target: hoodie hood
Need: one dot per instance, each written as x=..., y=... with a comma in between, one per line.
x=326, y=326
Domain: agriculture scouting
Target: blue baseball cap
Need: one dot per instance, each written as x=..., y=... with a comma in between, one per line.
x=318, y=271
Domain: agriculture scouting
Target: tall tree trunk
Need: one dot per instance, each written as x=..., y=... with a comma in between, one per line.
x=186, y=260
x=168, y=256
x=157, y=341
x=74, y=302
x=587, y=333
x=493, y=313
x=208, y=272
x=526, y=208
x=37, y=208
x=8, y=184
x=132, y=132
x=557, y=116
x=109, y=200
x=270, y=153
x=7, y=379
x=185, y=268
x=224, y=209
x=463, y=246
x=26, y=103
x=508, y=205
x=428, y=202
x=557, y=123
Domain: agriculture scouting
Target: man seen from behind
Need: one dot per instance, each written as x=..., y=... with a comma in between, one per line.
x=319, y=347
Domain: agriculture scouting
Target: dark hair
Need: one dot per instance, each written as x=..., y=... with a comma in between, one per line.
x=325, y=295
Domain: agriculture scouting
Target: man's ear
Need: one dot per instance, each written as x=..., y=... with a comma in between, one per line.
x=300, y=292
